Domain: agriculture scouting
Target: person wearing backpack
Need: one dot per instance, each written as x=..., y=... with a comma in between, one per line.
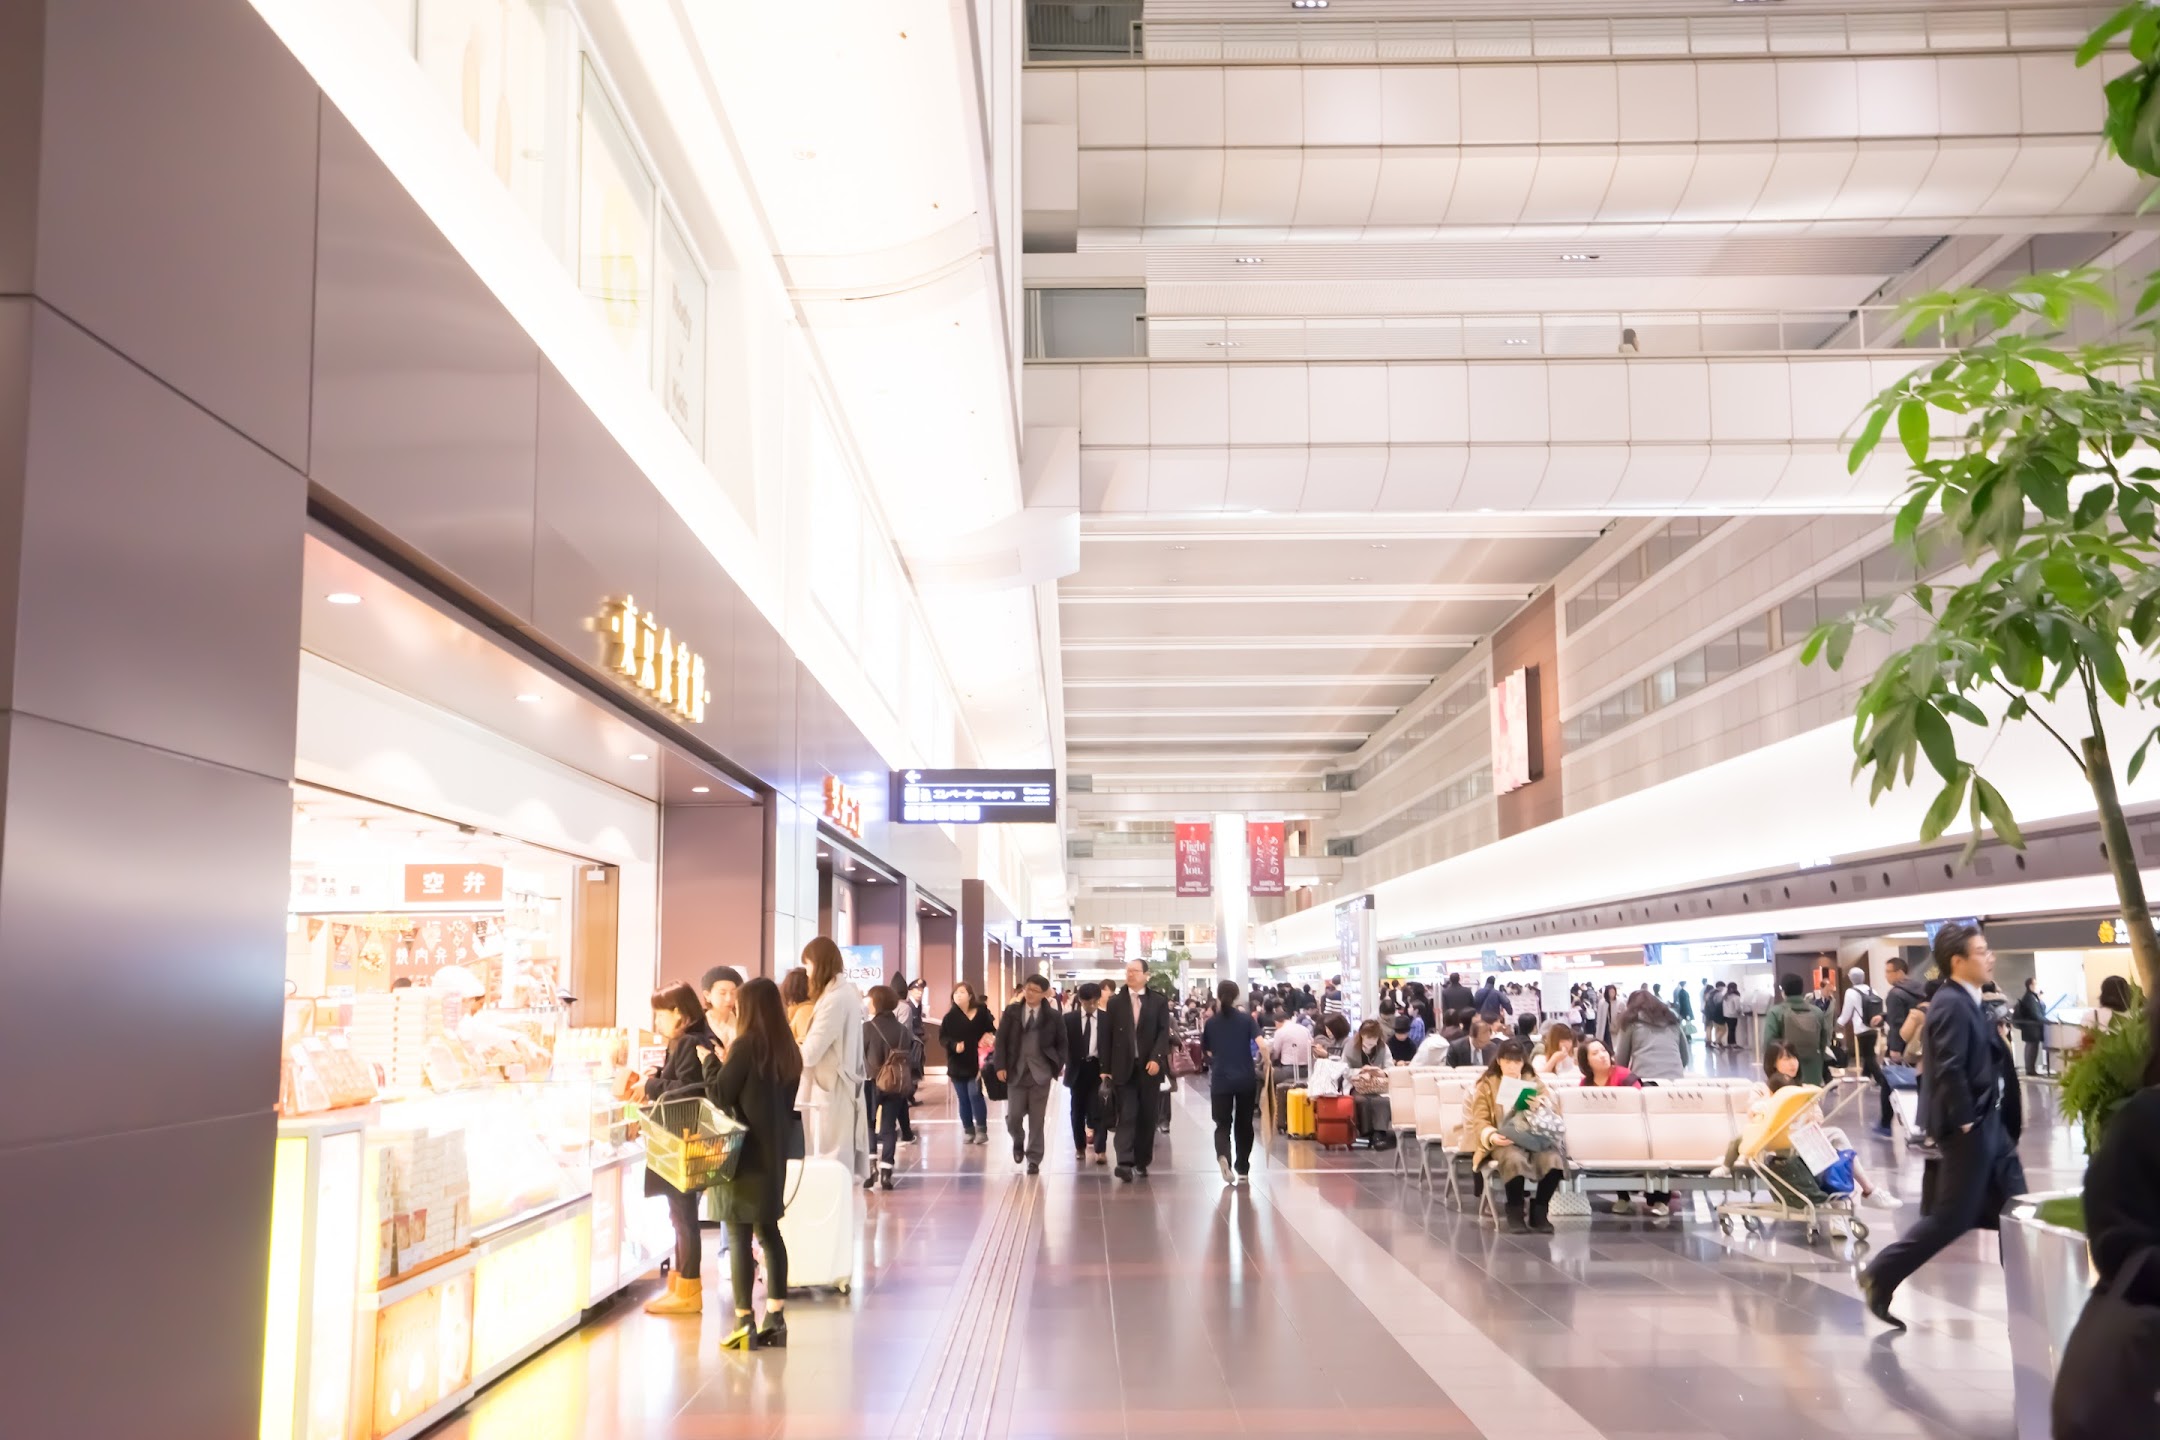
x=1802, y=1028
x=889, y=1061
x=1862, y=1015
x=1029, y=1058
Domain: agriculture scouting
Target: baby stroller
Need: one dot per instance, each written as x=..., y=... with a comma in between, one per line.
x=1793, y=1173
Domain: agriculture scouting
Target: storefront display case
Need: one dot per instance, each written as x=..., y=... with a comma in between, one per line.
x=423, y=1246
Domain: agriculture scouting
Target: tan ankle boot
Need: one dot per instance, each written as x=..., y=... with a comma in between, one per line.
x=683, y=1297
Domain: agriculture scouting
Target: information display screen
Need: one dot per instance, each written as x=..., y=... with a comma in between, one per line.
x=1049, y=937
x=974, y=797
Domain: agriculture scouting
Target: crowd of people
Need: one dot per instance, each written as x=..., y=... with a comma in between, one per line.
x=812, y=1065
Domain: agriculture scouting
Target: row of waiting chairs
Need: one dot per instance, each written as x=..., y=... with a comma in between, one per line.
x=1618, y=1137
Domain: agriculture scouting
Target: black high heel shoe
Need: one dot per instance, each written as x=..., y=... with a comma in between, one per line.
x=744, y=1336
x=774, y=1335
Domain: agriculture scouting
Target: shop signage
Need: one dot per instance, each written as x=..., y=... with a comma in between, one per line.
x=842, y=807
x=646, y=654
x=865, y=964
x=1147, y=943
x=1117, y=945
x=975, y=797
x=2114, y=932
x=453, y=884
x=1518, y=757
x=1195, y=858
x=1265, y=838
x=1049, y=937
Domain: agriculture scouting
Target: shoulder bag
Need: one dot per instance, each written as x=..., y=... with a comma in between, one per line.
x=2105, y=1386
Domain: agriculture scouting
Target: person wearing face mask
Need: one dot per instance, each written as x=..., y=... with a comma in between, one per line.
x=1137, y=1055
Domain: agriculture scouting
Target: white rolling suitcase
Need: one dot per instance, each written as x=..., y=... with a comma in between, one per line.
x=823, y=1217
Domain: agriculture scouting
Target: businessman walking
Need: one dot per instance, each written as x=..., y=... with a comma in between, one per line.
x=1134, y=1060
x=1972, y=1110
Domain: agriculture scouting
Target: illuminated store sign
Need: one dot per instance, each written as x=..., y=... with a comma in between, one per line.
x=975, y=797
x=842, y=807
x=646, y=653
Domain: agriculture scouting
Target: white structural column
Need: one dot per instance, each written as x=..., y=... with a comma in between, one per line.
x=1233, y=899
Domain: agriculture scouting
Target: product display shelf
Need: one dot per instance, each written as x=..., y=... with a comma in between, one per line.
x=351, y=1356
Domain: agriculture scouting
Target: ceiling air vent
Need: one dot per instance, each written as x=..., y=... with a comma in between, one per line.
x=1339, y=780
x=1079, y=782
x=1342, y=845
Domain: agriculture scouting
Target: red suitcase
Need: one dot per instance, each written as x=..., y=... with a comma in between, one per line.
x=1334, y=1120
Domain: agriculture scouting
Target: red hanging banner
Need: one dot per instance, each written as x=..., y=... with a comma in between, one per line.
x=1265, y=838
x=1195, y=866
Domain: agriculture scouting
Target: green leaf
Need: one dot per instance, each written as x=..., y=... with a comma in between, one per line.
x=1936, y=740
x=2111, y=27
x=1912, y=429
x=1944, y=809
x=2094, y=504
x=1910, y=514
x=2023, y=378
x=2137, y=758
x=1870, y=435
x=2066, y=580
x=1997, y=810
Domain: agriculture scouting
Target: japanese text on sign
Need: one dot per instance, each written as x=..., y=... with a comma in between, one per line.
x=975, y=797
x=646, y=653
x=465, y=884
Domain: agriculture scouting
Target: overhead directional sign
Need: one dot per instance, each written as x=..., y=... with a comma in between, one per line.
x=975, y=797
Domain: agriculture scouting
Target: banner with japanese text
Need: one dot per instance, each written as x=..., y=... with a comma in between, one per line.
x=1265, y=839
x=1195, y=858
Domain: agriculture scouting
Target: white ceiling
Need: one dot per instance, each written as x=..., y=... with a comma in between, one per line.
x=1279, y=551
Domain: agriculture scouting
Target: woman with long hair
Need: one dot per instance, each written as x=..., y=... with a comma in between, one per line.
x=961, y=1033
x=679, y=1019
x=757, y=1087
x=1555, y=1063
x=1514, y=1166
x=832, y=1060
x=1652, y=1042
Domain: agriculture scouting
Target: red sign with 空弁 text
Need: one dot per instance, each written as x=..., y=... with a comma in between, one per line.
x=1195, y=858
x=1265, y=838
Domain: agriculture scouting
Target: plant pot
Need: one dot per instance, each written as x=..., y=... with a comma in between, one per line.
x=2047, y=1273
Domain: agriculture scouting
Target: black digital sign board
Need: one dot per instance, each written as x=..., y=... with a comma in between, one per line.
x=974, y=797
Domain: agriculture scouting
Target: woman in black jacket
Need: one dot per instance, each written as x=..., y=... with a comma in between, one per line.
x=679, y=1018
x=961, y=1033
x=757, y=1087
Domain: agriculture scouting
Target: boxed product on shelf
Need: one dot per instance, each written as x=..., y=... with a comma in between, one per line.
x=430, y=1197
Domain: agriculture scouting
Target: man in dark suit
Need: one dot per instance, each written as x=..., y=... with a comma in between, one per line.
x=1970, y=1108
x=1135, y=1056
x=1085, y=1034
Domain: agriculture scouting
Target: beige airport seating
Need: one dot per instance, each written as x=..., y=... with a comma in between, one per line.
x=1653, y=1136
x=1402, y=1108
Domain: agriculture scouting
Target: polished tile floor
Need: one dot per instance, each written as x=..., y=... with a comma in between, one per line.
x=1329, y=1299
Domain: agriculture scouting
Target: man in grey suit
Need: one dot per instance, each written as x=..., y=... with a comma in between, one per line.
x=1030, y=1056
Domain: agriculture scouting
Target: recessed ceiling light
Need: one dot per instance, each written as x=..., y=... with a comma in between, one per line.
x=528, y=699
x=1577, y=257
x=1308, y=4
x=1354, y=579
x=1225, y=344
x=1377, y=545
x=701, y=789
x=639, y=755
x=1180, y=547
x=342, y=597
x=1250, y=260
x=1516, y=340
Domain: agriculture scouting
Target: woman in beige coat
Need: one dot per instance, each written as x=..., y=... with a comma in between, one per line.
x=1513, y=1165
x=832, y=1054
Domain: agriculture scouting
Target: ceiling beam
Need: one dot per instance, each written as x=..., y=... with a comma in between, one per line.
x=1358, y=593
x=1108, y=530
x=1253, y=710
x=1249, y=682
x=1279, y=642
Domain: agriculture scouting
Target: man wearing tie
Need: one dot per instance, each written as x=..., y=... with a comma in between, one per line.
x=1030, y=1054
x=1134, y=1059
x=1084, y=1030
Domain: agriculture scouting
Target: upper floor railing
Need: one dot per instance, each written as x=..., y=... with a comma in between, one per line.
x=1060, y=30
x=1864, y=329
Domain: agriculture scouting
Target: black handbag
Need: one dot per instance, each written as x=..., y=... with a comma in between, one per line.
x=2105, y=1386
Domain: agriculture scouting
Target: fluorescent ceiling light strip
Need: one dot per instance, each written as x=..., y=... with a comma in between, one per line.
x=1354, y=592
x=1242, y=682
x=1220, y=710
